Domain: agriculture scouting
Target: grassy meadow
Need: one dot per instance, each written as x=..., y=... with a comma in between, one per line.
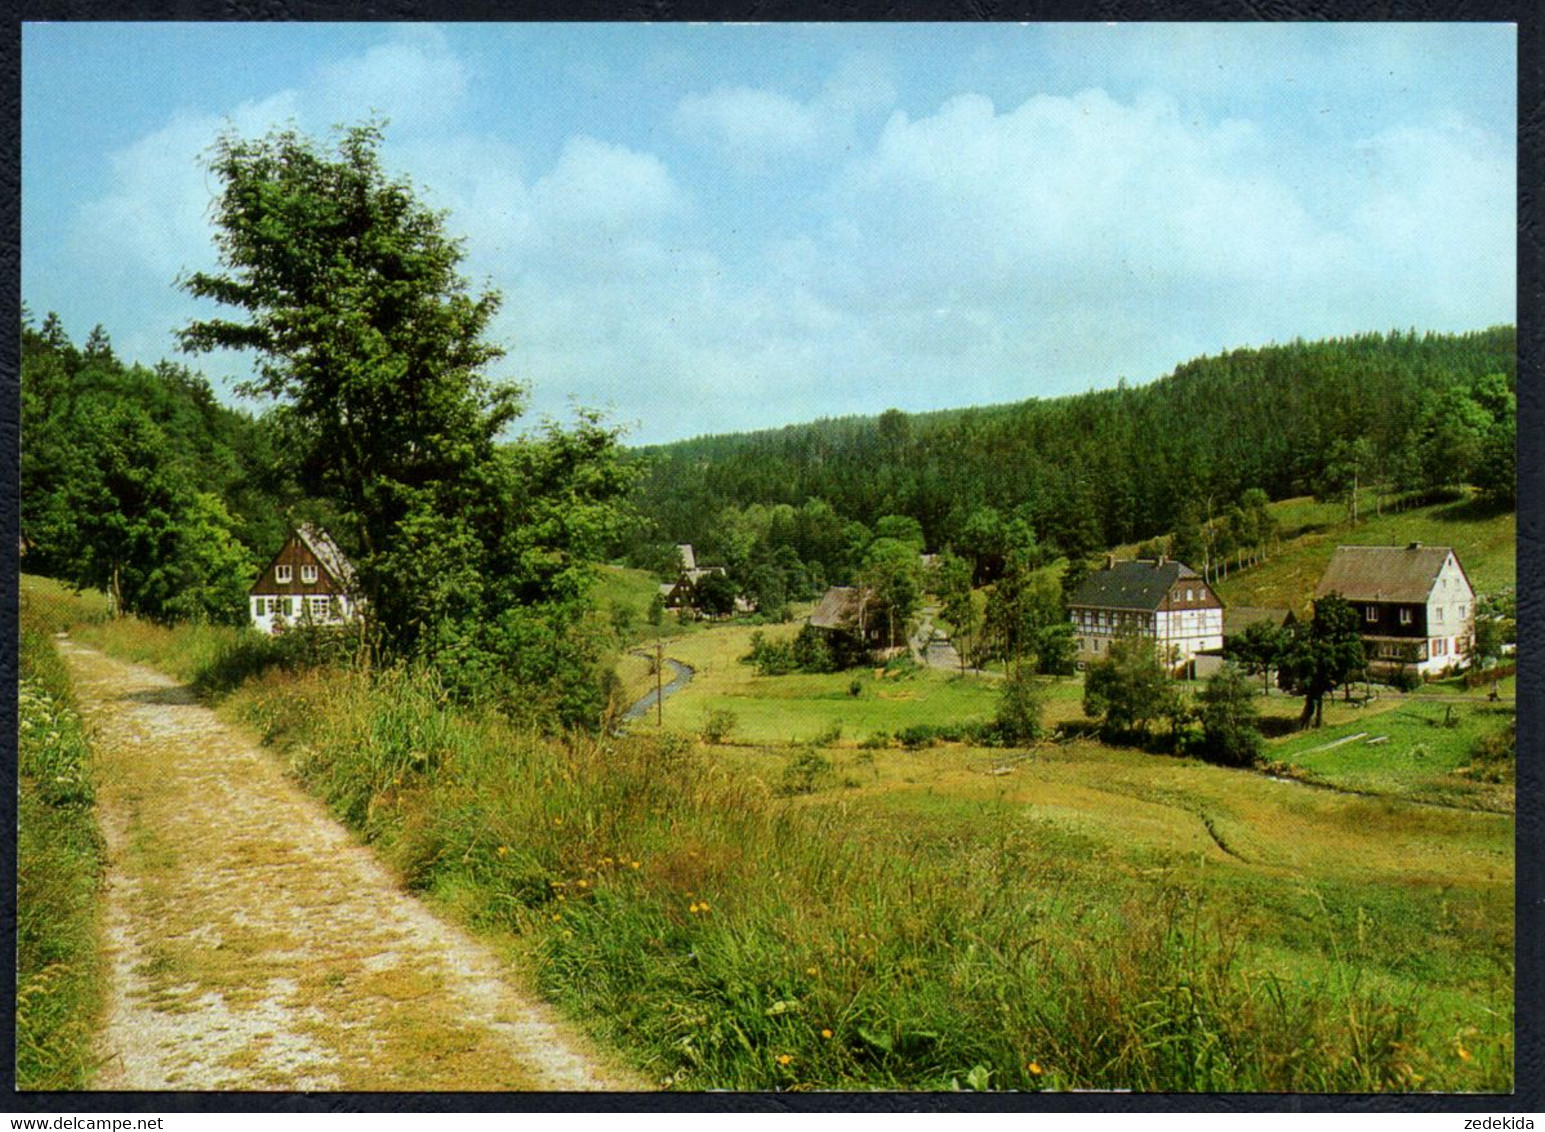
x=799, y=908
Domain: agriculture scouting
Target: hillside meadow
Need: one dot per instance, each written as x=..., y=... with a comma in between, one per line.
x=767, y=914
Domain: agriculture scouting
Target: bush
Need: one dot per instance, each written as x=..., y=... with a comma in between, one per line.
x=719, y=726
x=1018, y=717
x=808, y=770
x=1230, y=735
x=1405, y=679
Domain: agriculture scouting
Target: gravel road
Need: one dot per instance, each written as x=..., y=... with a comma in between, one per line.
x=254, y=944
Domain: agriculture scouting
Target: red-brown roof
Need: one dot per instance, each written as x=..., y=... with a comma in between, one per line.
x=1383, y=573
x=839, y=608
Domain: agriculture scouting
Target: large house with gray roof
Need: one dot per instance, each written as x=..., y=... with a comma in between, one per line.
x=1414, y=604
x=1165, y=601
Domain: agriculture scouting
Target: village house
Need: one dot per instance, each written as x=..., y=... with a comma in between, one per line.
x=1414, y=604
x=309, y=582
x=1165, y=601
x=852, y=613
x=681, y=594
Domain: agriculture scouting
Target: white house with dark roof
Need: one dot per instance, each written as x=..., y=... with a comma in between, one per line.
x=1414, y=604
x=309, y=582
x=1165, y=601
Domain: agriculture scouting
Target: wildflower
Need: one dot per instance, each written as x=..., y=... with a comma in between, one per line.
x=811, y=971
x=784, y=1059
x=504, y=850
x=826, y=1033
x=557, y=821
x=1464, y=1054
x=703, y=905
x=635, y=864
x=693, y=908
x=583, y=883
x=1035, y=1068
x=557, y=915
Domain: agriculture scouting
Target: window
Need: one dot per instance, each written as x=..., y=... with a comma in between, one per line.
x=1190, y=595
x=1440, y=615
x=282, y=574
x=257, y=607
x=1461, y=613
x=1405, y=616
x=308, y=573
x=273, y=606
x=319, y=608
x=289, y=607
x=1371, y=613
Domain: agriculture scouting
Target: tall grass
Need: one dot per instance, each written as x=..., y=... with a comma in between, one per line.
x=725, y=934
x=60, y=860
x=729, y=937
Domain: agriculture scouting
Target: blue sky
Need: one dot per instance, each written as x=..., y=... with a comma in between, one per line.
x=714, y=228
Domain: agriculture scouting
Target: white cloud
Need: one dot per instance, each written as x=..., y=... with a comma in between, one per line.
x=414, y=79
x=753, y=128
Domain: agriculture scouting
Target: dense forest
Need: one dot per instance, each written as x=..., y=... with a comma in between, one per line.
x=1362, y=419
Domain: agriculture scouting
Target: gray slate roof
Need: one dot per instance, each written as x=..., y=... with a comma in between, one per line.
x=839, y=609
x=1383, y=573
x=1137, y=585
x=333, y=560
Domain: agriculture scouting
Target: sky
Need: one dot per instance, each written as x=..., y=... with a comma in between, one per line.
x=713, y=228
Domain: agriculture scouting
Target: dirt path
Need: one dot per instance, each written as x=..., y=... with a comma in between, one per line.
x=255, y=945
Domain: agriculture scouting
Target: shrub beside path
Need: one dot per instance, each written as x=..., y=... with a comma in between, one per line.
x=254, y=944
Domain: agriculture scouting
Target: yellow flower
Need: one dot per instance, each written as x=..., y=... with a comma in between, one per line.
x=826, y=1033
x=557, y=915
x=503, y=850
x=1034, y=1067
x=703, y=905
x=1464, y=1054
x=583, y=883
x=557, y=821
x=635, y=864
x=693, y=908
x=784, y=1059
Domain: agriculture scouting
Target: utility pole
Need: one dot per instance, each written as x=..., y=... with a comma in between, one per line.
x=659, y=690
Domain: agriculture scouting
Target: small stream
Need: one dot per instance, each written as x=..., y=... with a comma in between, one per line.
x=681, y=677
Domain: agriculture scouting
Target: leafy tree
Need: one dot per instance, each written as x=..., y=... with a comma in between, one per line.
x=1256, y=649
x=1320, y=656
x=1347, y=469
x=123, y=501
x=1128, y=689
x=1186, y=543
x=893, y=573
x=952, y=582
x=902, y=528
x=371, y=345
x=1229, y=717
x=212, y=571
x=367, y=337
x=714, y=594
x=1018, y=715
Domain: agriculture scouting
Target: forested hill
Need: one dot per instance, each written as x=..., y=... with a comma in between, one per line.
x=1407, y=411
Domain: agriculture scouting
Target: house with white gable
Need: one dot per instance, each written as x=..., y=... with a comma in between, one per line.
x=1165, y=601
x=1414, y=604
x=309, y=582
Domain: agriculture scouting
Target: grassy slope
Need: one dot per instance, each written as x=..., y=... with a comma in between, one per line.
x=1485, y=541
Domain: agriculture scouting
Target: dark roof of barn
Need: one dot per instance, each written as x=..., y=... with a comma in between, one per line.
x=1383, y=573
x=1237, y=618
x=1131, y=585
x=839, y=608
